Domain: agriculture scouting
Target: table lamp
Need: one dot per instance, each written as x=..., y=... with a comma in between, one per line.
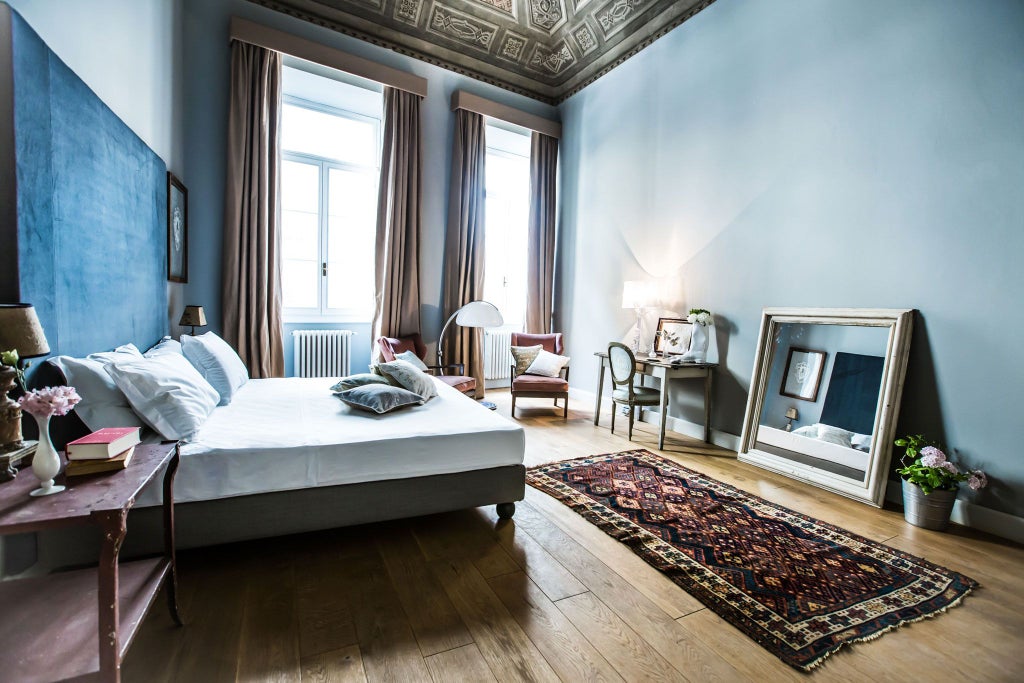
x=636, y=294
x=473, y=314
x=193, y=317
x=791, y=415
x=19, y=331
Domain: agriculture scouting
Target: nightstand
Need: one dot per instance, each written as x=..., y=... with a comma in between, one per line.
x=80, y=623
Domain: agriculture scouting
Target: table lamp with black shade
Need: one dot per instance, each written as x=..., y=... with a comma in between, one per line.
x=193, y=317
x=21, y=337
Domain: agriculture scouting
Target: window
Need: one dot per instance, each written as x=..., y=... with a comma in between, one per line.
x=506, y=221
x=330, y=169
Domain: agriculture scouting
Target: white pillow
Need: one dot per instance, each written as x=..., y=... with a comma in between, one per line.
x=862, y=442
x=102, y=404
x=411, y=358
x=165, y=345
x=120, y=353
x=167, y=393
x=547, y=364
x=217, y=362
x=830, y=434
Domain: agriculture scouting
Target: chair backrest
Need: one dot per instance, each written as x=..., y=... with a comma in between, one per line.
x=622, y=363
x=552, y=343
x=392, y=346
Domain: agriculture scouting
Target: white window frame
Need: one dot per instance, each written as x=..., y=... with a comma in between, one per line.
x=323, y=314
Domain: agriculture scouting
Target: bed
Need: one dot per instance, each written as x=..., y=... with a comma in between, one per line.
x=286, y=456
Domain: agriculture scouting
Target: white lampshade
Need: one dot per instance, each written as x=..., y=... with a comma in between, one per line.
x=479, y=314
x=636, y=293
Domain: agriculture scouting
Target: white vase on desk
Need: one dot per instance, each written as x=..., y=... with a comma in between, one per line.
x=698, y=351
x=46, y=462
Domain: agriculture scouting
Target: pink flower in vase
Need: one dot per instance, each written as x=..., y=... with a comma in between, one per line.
x=49, y=401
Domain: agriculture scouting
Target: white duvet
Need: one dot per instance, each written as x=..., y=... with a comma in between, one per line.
x=282, y=434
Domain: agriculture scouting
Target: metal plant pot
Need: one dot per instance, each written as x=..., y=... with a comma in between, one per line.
x=930, y=511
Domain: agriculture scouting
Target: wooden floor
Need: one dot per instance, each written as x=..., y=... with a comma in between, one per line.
x=459, y=597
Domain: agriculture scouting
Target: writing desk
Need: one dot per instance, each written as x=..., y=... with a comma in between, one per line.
x=658, y=368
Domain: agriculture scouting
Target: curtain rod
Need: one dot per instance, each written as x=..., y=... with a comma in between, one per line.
x=481, y=105
x=279, y=41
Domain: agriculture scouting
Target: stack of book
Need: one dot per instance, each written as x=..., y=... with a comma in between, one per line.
x=105, y=450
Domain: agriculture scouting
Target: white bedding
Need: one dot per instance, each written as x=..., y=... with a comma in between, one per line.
x=281, y=434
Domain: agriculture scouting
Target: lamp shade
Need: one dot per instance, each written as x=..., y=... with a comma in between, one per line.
x=193, y=317
x=791, y=413
x=636, y=293
x=479, y=314
x=20, y=330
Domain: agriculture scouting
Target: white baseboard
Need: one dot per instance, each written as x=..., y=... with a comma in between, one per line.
x=965, y=513
x=673, y=424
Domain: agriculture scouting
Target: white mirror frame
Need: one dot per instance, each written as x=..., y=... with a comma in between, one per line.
x=900, y=324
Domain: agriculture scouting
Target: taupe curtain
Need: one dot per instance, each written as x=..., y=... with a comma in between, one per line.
x=397, y=270
x=252, y=241
x=540, y=269
x=464, y=242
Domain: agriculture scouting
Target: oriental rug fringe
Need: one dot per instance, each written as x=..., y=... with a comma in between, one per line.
x=799, y=587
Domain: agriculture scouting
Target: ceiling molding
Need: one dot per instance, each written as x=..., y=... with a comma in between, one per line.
x=544, y=49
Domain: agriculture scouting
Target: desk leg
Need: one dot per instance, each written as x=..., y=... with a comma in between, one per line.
x=600, y=389
x=707, y=406
x=663, y=407
x=113, y=527
x=171, y=582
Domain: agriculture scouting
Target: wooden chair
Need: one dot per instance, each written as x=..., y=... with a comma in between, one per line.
x=392, y=346
x=622, y=363
x=535, y=386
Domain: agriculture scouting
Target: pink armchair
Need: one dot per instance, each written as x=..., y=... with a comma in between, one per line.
x=535, y=386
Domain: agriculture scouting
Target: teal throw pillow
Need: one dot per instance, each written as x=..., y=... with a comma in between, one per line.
x=411, y=358
x=408, y=376
x=358, y=380
x=379, y=398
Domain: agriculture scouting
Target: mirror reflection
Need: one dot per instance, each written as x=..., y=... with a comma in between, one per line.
x=822, y=397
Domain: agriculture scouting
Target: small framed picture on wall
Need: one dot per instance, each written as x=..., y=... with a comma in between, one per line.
x=803, y=374
x=177, y=230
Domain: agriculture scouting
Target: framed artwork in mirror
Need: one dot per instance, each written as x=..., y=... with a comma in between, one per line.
x=177, y=230
x=673, y=336
x=802, y=376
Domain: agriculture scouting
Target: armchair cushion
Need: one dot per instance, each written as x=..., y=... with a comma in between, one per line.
x=390, y=347
x=524, y=356
x=460, y=382
x=540, y=383
x=547, y=364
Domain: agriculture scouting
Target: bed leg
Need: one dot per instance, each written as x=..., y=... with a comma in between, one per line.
x=505, y=510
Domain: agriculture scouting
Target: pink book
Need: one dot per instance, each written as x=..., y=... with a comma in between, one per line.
x=103, y=443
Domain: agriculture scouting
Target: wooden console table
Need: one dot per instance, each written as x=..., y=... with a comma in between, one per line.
x=80, y=623
x=658, y=368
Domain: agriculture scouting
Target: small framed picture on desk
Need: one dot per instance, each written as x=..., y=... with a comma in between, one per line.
x=673, y=336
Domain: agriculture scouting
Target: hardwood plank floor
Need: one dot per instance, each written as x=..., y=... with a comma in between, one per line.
x=466, y=597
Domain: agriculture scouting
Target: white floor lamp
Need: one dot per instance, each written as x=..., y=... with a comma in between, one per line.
x=473, y=314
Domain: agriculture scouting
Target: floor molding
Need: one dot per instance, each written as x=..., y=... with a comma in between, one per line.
x=965, y=513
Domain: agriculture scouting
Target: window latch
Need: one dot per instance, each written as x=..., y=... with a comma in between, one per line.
x=323, y=269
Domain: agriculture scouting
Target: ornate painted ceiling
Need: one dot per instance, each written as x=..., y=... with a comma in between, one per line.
x=546, y=49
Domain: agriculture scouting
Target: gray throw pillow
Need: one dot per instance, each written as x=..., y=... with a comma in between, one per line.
x=379, y=398
x=408, y=376
x=524, y=357
x=411, y=358
x=358, y=380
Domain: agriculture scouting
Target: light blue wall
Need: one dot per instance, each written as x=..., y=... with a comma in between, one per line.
x=206, y=110
x=809, y=153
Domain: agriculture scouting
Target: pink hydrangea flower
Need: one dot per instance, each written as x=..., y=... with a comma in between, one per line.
x=949, y=467
x=977, y=480
x=49, y=401
x=932, y=457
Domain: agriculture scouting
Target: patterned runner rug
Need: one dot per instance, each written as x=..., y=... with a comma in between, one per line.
x=799, y=587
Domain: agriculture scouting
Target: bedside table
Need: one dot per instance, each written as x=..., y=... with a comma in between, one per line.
x=80, y=623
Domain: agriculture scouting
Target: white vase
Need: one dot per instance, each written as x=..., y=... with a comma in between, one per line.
x=46, y=462
x=698, y=351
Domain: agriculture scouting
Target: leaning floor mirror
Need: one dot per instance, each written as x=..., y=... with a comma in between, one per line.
x=825, y=395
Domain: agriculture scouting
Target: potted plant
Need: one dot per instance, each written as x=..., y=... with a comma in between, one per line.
x=701, y=319
x=931, y=482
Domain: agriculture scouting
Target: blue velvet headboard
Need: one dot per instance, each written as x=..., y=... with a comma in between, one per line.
x=852, y=399
x=89, y=245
